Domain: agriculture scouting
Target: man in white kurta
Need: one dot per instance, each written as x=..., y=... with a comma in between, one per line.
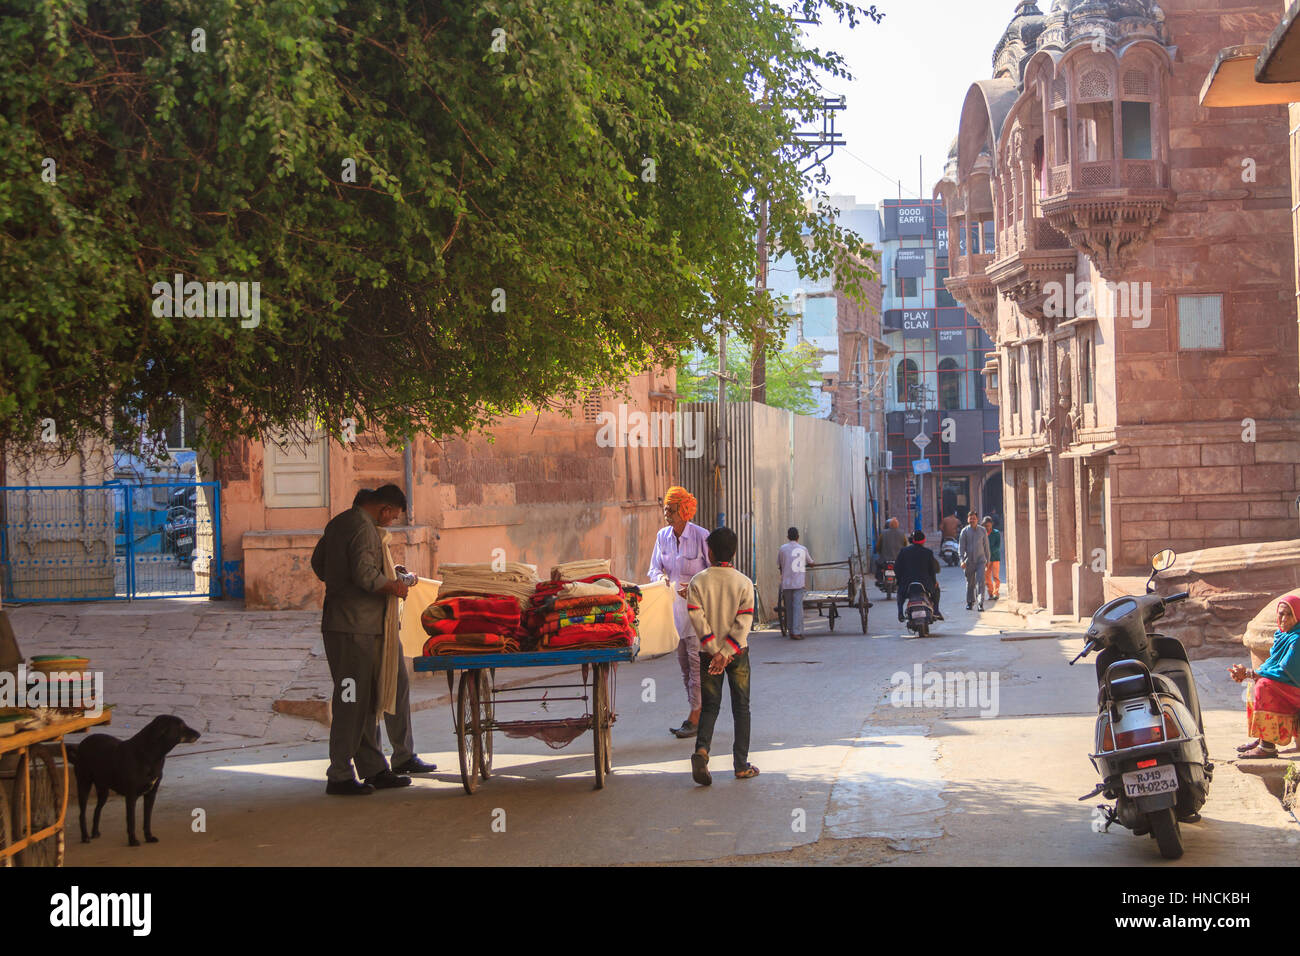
x=680, y=553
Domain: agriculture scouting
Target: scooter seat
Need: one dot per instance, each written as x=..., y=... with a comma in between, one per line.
x=1161, y=683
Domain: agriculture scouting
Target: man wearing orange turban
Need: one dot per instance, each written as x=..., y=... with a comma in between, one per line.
x=680, y=553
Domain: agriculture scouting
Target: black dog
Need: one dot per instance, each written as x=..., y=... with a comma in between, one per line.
x=132, y=768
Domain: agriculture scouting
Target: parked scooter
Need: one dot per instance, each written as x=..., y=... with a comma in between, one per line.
x=918, y=611
x=948, y=551
x=1150, y=740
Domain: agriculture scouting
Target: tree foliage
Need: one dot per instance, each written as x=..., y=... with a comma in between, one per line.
x=549, y=195
x=793, y=376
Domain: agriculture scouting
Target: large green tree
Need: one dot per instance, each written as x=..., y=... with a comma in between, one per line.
x=548, y=195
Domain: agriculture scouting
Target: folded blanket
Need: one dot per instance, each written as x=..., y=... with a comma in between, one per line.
x=567, y=603
x=577, y=570
x=513, y=580
x=624, y=618
x=590, y=635
x=443, y=644
x=470, y=615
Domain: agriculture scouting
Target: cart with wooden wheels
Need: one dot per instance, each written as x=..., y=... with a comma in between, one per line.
x=34, y=789
x=476, y=696
x=833, y=599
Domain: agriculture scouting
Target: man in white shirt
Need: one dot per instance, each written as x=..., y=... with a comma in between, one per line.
x=681, y=551
x=793, y=560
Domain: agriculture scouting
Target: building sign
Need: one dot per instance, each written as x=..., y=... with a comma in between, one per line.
x=914, y=221
x=917, y=323
x=910, y=263
x=941, y=243
x=952, y=341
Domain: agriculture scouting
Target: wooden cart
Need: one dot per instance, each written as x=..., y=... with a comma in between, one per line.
x=832, y=596
x=474, y=707
x=34, y=792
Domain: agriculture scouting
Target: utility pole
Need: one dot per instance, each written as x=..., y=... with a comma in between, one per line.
x=815, y=141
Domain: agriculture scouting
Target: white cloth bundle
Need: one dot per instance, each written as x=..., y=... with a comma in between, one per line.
x=577, y=570
x=513, y=580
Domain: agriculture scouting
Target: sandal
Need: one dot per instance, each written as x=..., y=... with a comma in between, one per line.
x=749, y=771
x=1260, y=753
x=1250, y=746
x=700, y=769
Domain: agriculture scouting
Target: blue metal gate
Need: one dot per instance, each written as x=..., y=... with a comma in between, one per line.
x=110, y=542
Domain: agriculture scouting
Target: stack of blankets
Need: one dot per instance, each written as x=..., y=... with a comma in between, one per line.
x=484, y=580
x=578, y=570
x=597, y=611
x=472, y=625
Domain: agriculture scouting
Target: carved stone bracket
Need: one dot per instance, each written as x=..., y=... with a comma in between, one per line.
x=1109, y=230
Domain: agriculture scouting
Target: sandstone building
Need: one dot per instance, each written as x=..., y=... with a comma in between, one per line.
x=1156, y=405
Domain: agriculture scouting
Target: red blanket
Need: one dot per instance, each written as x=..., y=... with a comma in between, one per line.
x=471, y=615
x=590, y=635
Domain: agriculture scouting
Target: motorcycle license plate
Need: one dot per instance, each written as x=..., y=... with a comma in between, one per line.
x=184, y=541
x=1146, y=783
x=889, y=575
x=917, y=615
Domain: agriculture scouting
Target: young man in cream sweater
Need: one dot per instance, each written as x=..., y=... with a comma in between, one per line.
x=720, y=601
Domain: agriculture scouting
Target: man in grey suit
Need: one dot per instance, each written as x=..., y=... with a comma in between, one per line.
x=973, y=548
x=349, y=558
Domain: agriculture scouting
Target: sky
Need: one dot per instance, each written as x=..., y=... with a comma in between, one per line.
x=911, y=73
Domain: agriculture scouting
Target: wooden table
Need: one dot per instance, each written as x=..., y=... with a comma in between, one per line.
x=50, y=799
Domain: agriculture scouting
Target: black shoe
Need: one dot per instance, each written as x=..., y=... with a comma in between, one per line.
x=416, y=765
x=348, y=788
x=687, y=729
x=901, y=619
x=938, y=615
x=981, y=605
x=970, y=607
x=388, y=781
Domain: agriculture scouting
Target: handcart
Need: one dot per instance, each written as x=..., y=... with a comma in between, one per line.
x=34, y=791
x=828, y=600
x=475, y=704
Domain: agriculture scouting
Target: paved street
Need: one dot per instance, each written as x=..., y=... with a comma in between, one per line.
x=870, y=783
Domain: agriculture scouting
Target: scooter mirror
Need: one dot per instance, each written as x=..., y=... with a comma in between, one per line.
x=1164, y=560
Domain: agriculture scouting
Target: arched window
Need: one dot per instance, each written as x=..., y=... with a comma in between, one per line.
x=907, y=376
x=949, y=385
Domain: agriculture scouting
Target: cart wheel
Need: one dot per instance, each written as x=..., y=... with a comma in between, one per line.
x=599, y=719
x=862, y=612
x=467, y=724
x=6, y=839
x=47, y=802
x=833, y=615
x=487, y=712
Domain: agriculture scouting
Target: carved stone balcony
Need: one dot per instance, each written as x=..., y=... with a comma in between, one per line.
x=970, y=285
x=1106, y=209
x=1039, y=255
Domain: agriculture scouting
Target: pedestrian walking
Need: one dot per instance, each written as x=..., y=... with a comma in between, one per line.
x=721, y=603
x=792, y=561
x=973, y=551
x=681, y=552
x=359, y=630
x=993, y=575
